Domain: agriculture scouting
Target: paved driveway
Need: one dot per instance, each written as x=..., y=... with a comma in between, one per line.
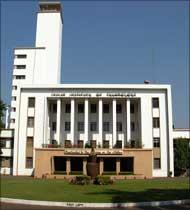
x=6, y=206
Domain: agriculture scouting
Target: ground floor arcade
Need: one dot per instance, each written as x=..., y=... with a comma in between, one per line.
x=58, y=163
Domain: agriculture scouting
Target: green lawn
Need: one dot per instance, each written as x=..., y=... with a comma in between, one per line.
x=120, y=191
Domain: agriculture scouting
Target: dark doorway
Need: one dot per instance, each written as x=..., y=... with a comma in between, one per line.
x=110, y=165
x=59, y=165
x=127, y=164
x=76, y=165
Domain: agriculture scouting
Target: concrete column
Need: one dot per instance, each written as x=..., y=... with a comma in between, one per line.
x=128, y=120
x=86, y=116
x=100, y=115
x=68, y=166
x=117, y=166
x=114, y=123
x=58, y=128
x=46, y=138
x=72, y=121
x=52, y=165
x=84, y=166
x=101, y=166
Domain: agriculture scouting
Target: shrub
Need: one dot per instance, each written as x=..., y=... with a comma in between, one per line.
x=81, y=180
x=103, y=180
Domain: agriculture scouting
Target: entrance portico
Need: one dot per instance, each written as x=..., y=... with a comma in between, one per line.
x=59, y=163
x=90, y=119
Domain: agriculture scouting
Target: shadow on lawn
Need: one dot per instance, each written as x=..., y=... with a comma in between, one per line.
x=121, y=196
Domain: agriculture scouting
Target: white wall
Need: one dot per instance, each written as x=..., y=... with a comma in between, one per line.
x=41, y=126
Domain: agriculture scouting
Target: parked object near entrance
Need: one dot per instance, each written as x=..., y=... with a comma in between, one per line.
x=92, y=165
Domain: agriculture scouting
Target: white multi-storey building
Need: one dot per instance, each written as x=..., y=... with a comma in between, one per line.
x=130, y=126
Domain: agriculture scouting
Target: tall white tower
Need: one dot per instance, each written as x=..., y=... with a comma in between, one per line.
x=40, y=64
x=49, y=35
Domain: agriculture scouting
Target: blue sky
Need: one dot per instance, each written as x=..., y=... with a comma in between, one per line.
x=110, y=42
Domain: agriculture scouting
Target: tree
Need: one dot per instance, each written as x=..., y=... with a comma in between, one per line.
x=2, y=109
x=181, y=154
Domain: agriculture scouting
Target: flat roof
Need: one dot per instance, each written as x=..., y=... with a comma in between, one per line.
x=98, y=86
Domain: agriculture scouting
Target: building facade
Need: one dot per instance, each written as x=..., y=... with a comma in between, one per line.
x=55, y=125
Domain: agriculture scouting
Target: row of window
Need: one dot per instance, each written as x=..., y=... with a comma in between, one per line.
x=30, y=140
x=93, y=108
x=93, y=126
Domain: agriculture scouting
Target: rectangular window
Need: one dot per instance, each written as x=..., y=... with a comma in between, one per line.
x=80, y=126
x=80, y=143
x=6, y=162
x=119, y=108
x=30, y=122
x=14, y=87
x=18, y=76
x=67, y=126
x=106, y=108
x=67, y=108
x=93, y=108
x=3, y=143
x=80, y=108
x=156, y=122
x=12, y=120
x=106, y=144
x=19, y=66
x=155, y=102
x=54, y=126
x=31, y=102
x=132, y=126
x=132, y=108
x=54, y=108
x=29, y=147
x=13, y=109
x=157, y=164
x=119, y=126
x=156, y=142
x=13, y=98
x=106, y=126
x=29, y=162
x=93, y=126
x=20, y=56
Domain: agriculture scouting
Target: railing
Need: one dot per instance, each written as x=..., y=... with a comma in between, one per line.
x=68, y=144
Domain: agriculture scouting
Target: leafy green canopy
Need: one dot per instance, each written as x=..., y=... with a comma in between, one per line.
x=182, y=153
x=2, y=109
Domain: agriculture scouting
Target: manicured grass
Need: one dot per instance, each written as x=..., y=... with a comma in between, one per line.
x=120, y=191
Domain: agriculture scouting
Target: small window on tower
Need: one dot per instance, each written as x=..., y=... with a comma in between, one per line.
x=31, y=102
x=30, y=122
x=155, y=102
